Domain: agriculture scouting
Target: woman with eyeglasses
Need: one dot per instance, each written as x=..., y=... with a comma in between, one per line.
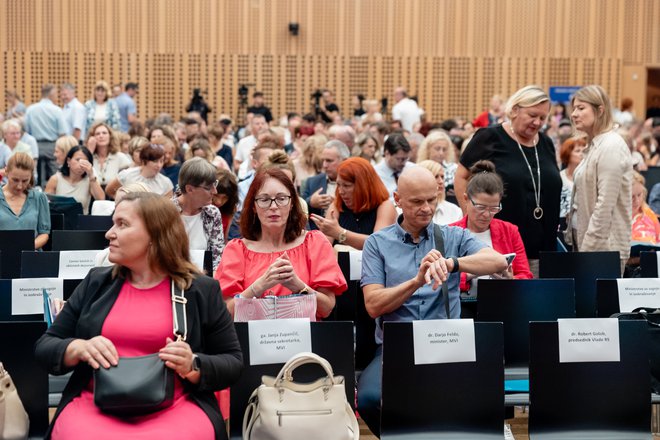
x=277, y=256
x=202, y=220
x=483, y=200
x=148, y=173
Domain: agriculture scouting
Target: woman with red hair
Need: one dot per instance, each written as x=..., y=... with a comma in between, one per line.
x=363, y=205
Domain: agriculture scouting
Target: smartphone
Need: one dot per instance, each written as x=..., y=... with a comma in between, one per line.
x=509, y=258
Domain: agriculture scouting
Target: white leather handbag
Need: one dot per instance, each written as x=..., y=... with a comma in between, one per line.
x=14, y=421
x=282, y=409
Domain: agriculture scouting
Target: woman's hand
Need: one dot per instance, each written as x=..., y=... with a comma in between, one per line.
x=506, y=274
x=178, y=356
x=292, y=281
x=98, y=351
x=279, y=272
x=87, y=167
x=329, y=226
x=91, y=144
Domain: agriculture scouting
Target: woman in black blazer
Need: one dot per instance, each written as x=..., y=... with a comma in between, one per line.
x=126, y=310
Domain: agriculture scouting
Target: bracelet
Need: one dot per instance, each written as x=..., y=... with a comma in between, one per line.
x=455, y=268
x=254, y=294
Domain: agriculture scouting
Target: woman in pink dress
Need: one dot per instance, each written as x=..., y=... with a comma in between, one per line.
x=126, y=310
x=277, y=256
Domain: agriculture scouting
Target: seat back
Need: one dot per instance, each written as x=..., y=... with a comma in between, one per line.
x=30, y=378
x=462, y=399
x=94, y=222
x=608, y=400
x=12, y=243
x=330, y=340
x=517, y=302
x=79, y=240
x=648, y=262
x=585, y=268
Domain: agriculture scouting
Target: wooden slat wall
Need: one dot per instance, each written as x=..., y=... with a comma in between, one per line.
x=453, y=54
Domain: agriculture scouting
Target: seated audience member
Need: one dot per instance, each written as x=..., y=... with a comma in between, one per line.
x=11, y=137
x=279, y=159
x=76, y=179
x=200, y=147
x=21, y=207
x=308, y=163
x=226, y=197
x=165, y=136
x=483, y=200
x=201, y=219
x=570, y=156
x=216, y=138
x=645, y=227
x=134, y=146
x=125, y=311
x=397, y=153
x=148, y=173
x=62, y=146
x=366, y=147
x=400, y=285
x=362, y=207
x=108, y=160
x=277, y=256
x=445, y=212
x=438, y=147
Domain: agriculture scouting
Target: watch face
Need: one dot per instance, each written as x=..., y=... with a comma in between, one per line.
x=197, y=363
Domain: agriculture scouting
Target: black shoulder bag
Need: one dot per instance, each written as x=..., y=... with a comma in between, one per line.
x=440, y=246
x=142, y=384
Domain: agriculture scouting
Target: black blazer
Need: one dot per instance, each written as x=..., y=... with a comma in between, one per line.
x=312, y=184
x=211, y=336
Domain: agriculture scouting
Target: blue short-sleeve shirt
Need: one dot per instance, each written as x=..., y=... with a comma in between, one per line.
x=391, y=257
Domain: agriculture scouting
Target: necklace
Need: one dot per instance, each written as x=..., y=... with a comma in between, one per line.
x=538, y=211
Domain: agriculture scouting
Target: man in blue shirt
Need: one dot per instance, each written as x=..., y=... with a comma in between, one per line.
x=75, y=113
x=402, y=273
x=126, y=104
x=45, y=121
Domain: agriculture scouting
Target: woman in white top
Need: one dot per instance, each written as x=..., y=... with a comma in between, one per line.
x=76, y=179
x=445, y=212
x=102, y=108
x=108, y=160
x=148, y=173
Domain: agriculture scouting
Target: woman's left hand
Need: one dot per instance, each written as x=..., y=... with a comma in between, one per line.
x=329, y=226
x=292, y=281
x=178, y=356
x=88, y=168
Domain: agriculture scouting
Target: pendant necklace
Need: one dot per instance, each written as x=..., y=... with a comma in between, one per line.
x=538, y=211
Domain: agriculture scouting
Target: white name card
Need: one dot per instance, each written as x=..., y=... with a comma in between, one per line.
x=74, y=265
x=27, y=294
x=197, y=258
x=657, y=256
x=355, y=258
x=589, y=340
x=274, y=341
x=443, y=341
x=638, y=292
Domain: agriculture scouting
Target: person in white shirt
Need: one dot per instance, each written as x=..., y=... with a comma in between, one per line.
x=405, y=110
x=244, y=148
x=74, y=112
x=397, y=153
x=148, y=173
x=445, y=212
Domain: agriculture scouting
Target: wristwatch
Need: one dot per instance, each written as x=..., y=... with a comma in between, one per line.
x=304, y=291
x=455, y=268
x=342, y=236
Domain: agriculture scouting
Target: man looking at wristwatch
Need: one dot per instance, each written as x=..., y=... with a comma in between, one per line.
x=403, y=273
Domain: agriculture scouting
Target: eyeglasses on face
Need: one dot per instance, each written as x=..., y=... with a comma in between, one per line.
x=209, y=187
x=267, y=202
x=485, y=208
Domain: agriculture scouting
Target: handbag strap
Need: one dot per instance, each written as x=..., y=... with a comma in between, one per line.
x=179, y=301
x=302, y=358
x=440, y=246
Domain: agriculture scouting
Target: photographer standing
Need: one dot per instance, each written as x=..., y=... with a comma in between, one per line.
x=259, y=108
x=327, y=109
x=197, y=104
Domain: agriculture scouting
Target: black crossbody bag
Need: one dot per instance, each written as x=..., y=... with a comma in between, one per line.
x=142, y=384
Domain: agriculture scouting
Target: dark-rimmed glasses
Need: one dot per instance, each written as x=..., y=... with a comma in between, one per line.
x=267, y=202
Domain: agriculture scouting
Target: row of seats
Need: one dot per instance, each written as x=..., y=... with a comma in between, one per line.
x=454, y=400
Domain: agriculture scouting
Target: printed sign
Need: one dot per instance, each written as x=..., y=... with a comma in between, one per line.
x=274, y=341
x=441, y=341
x=355, y=258
x=589, y=340
x=27, y=294
x=74, y=265
x=638, y=292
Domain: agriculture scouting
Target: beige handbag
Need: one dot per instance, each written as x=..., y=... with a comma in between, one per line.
x=14, y=421
x=283, y=409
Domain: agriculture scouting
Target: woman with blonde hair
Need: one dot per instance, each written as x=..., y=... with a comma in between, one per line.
x=308, y=164
x=437, y=146
x=645, y=224
x=601, y=214
x=62, y=146
x=102, y=108
x=445, y=212
x=526, y=161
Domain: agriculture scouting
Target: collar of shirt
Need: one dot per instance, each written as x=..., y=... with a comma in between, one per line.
x=406, y=236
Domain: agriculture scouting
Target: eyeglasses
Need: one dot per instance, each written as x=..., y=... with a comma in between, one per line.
x=209, y=187
x=485, y=208
x=267, y=202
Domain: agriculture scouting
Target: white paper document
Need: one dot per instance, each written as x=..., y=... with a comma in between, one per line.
x=638, y=292
x=589, y=340
x=440, y=341
x=74, y=265
x=27, y=294
x=355, y=258
x=274, y=341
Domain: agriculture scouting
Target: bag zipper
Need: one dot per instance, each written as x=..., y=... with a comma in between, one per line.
x=302, y=412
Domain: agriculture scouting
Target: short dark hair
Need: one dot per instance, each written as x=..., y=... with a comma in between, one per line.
x=484, y=179
x=131, y=86
x=258, y=94
x=151, y=152
x=396, y=142
x=88, y=154
x=250, y=224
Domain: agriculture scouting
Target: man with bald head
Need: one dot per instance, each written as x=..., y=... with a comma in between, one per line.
x=403, y=273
